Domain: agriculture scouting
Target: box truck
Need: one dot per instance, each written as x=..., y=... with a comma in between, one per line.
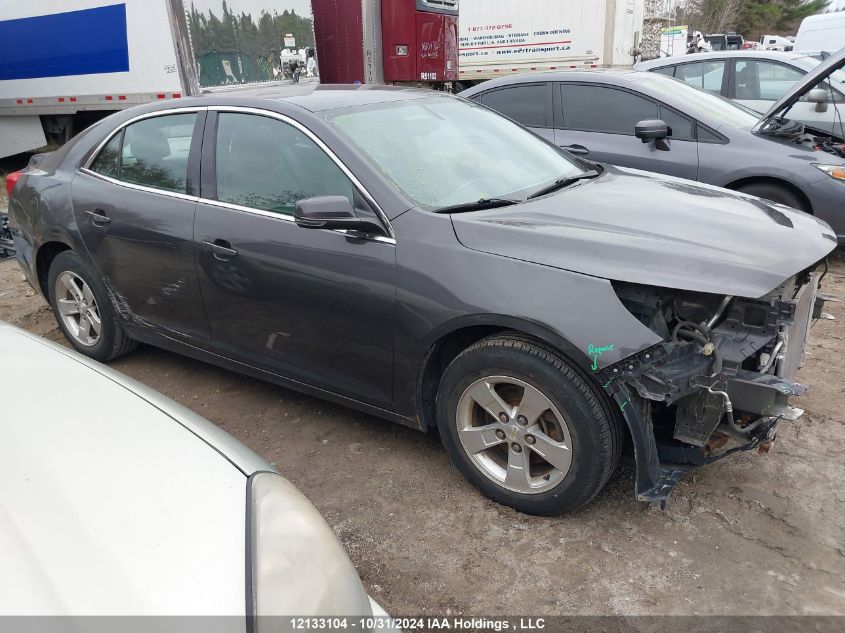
x=501, y=37
x=67, y=63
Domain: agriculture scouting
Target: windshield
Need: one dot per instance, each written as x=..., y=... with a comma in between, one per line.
x=699, y=103
x=442, y=152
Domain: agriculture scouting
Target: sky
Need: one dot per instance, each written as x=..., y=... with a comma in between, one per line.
x=302, y=7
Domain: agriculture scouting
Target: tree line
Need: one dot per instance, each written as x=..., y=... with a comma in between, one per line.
x=230, y=32
x=234, y=48
x=750, y=18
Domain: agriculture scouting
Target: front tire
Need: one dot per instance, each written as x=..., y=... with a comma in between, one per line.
x=525, y=427
x=84, y=311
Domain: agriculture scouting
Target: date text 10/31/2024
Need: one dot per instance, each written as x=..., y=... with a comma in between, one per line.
x=376, y=623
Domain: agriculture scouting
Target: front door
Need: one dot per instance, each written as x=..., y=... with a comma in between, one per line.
x=136, y=218
x=597, y=122
x=316, y=306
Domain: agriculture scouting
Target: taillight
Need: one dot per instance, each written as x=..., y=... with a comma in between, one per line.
x=11, y=181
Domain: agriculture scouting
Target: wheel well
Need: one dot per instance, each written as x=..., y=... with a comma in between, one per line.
x=777, y=182
x=445, y=350
x=438, y=358
x=46, y=254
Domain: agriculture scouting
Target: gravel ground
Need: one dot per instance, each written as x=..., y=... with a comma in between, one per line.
x=749, y=535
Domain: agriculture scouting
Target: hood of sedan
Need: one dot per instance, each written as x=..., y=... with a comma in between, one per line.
x=638, y=227
x=108, y=506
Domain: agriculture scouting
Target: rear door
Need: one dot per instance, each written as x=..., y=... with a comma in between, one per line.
x=597, y=122
x=134, y=205
x=315, y=306
x=529, y=104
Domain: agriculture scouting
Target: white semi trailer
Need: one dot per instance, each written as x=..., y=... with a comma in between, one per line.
x=64, y=63
x=502, y=37
x=67, y=63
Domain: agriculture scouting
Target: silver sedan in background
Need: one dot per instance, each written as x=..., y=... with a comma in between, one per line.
x=114, y=500
x=645, y=120
x=757, y=79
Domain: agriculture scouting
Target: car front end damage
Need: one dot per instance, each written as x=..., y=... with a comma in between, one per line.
x=719, y=382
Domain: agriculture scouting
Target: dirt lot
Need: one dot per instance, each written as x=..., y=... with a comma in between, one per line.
x=749, y=535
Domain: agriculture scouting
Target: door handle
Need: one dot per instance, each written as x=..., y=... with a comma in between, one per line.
x=575, y=149
x=99, y=217
x=222, y=249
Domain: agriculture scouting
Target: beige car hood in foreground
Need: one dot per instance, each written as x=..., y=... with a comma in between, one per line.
x=74, y=445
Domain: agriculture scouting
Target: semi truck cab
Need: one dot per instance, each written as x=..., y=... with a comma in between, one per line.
x=387, y=41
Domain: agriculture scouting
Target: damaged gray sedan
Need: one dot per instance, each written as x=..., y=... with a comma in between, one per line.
x=423, y=259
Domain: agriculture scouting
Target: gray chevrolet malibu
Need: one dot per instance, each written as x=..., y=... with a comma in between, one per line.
x=649, y=121
x=421, y=258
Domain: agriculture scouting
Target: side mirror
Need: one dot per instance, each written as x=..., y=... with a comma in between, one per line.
x=333, y=213
x=654, y=130
x=820, y=97
x=651, y=130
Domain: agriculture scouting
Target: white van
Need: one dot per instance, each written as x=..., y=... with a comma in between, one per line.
x=823, y=32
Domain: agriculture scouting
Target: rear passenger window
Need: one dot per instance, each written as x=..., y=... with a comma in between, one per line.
x=602, y=109
x=703, y=75
x=108, y=162
x=526, y=104
x=155, y=152
x=263, y=163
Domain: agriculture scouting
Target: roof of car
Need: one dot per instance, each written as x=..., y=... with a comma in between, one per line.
x=319, y=97
x=619, y=75
x=683, y=59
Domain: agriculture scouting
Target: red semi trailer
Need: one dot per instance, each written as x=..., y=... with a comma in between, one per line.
x=387, y=41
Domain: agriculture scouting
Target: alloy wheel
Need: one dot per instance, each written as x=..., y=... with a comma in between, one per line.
x=78, y=309
x=514, y=434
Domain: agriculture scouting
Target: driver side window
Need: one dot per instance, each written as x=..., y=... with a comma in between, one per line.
x=266, y=164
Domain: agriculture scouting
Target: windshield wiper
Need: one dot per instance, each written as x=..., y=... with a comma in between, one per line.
x=561, y=183
x=481, y=203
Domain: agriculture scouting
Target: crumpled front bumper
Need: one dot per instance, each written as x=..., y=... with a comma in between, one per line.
x=676, y=378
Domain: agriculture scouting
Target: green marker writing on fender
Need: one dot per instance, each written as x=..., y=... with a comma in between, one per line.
x=595, y=352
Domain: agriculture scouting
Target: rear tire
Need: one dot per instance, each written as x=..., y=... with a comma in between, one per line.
x=555, y=458
x=84, y=311
x=775, y=193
